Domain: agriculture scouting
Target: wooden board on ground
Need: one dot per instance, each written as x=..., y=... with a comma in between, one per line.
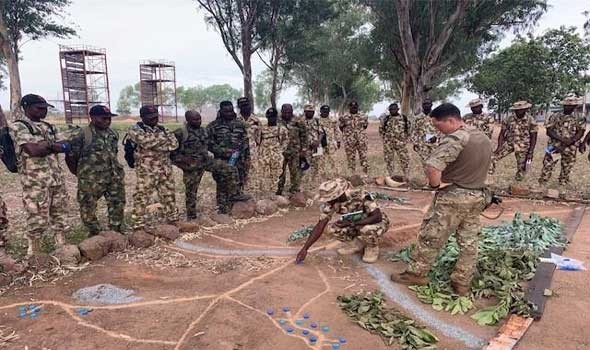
x=510, y=333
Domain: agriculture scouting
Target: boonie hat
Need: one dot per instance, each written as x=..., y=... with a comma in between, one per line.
x=333, y=189
x=475, y=102
x=308, y=107
x=571, y=101
x=520, y=105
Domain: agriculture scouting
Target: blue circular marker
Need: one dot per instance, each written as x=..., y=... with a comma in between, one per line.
x=336, y=346
x=342, y=340
x=286, y=309
x=313, y=325
x=270, y=312
x=282, y=322
x=289, y=329
x=313, y=339
x=306, y=315
x=325, y=329
x=305, y=332
x=299, y=322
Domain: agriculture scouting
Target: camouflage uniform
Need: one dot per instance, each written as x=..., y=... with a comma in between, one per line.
x=312, y=126
x=247, y=167
x=566, y=126
x=423, y=127
x=296, y=146
x=225, y=137
x=483, y=122
x=454, y=208
x=327, y=165
x=3, y=217
x=272, y=144
x=99, y=174
x=44, y=193
x=153, y=169
x=357, y=200
x=353, y=128
x=394, y=130
x=518, y=132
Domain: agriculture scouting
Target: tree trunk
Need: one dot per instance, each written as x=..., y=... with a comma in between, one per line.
x=3, y=122
x=406, y=97
x=13, y=71
x=274, y=83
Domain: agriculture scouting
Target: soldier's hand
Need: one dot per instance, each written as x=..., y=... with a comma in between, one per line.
x=301, y=256
x=529, y=157
x=582, y=147
x=343, y=223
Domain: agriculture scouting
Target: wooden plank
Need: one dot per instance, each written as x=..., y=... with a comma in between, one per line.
x=544, y=273
x=510, y=333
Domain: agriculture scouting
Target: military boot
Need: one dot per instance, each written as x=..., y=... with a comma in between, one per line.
x=351, y=247
x=409, y=278
x=241, y=197
x=371, y=254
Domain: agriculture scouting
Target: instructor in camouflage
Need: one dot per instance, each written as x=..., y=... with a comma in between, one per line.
x=93, y=159
x=247, y=164
x=478, y=119
x=518, y=135
x=153, y=166
x=353, y=126
x=272, y=145
x=394, y=130
x=295, y=152
x=424, y=135
x=565, y=130
x=330, y=139
x=457, y=169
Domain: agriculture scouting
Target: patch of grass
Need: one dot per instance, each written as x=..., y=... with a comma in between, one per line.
x=17, y=246
x=76, y=234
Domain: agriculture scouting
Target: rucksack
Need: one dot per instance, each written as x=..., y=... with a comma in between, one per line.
x=7, y=144
x=129, y=147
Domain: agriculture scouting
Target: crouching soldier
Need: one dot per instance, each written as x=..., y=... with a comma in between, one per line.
x=361, y=224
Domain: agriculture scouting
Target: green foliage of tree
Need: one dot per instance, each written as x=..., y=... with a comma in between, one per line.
x=197, y=97
x=263, y=91
x=540, y=70
x=128, y=99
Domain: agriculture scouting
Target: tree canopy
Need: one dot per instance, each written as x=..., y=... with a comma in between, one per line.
x=197, y=97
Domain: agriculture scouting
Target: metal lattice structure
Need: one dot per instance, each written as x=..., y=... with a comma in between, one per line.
x=157, y=86
x=85, y=80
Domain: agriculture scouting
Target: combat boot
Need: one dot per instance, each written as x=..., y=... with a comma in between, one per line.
x=409, y=278
x=241, y=197
x=371, y=254
x=351, y=247
x=461, y=289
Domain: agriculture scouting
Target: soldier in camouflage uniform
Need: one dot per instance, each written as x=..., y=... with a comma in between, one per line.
x=424, y=135
x=37, y=145
x=565, y=130
x=394, y=129
x=272, y=144
x=330, y=141
x=478, y=119
x=295, y=152
x=228, y=141
x=518, y=135
x=461, y=162
x=361, y=225
x=93, y=160
x=153, y=166
x=312, y=125
x=247, y=166
x=353, y=126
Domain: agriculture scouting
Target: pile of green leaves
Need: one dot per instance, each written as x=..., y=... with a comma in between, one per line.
x=507, y=256
x=405, y=254
x=388, y=197
x=302, y=233
x=370, y=312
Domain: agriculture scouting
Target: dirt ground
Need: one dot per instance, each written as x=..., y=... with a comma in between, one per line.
x=213, y=288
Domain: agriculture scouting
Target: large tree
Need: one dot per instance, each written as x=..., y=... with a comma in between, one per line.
x=197, y=97
x=128, y=99
x=32, y=20
x=433, y=41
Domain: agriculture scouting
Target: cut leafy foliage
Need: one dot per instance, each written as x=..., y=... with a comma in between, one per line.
x=388, y=197
x=302, y=233
x=368, y=311
x=405, y=254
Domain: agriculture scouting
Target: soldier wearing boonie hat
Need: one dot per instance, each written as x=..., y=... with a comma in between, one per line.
x=518, y=135
x=478, y=119
x=361, y=224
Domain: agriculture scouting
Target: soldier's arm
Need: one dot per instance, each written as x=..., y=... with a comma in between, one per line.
x=501, y=138
x=161, y=141
x=316, y=233
x=364, y=121
x=341, y=123
x=532, y=138
x=446, y=152
x=214, y=147
x=303, y=138
x=26, y=142
x=178, y=159
x=73, y=156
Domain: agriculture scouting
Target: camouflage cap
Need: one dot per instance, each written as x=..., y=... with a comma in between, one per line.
x=333, y=189
x=475, y=102
x=571, y=101
x=520, y=105
x=309, y=107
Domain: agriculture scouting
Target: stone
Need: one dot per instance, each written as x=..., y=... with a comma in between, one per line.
x=8, y=264
x=552, y=193
x=356, y=180
x=222, y=219
x=282, y=202
x=519, y=190
x=95, y=247
x=206, y=221
x=169, y=232
x=68, y=254
x=380, y=180
x=188, y=226
x=298, y=200
x=117, y=241
x=140, y=239
x=243, y=210
x=266, y=207
x=418, y=182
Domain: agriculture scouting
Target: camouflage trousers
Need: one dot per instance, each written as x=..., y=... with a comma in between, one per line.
x=3, y=222
x=291, y=163
x=568, y=160
x=424, y=150
x=192, y=180
x=327, y=167
x=453, y=210
x=227, y=180
x=46, y=209
x=520, y=161
x=91, y=190
x=352, y=146
x=150, y=183
x=370, y=235
x=270, y=167
x=390, y=150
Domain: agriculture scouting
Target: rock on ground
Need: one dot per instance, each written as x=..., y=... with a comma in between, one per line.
x=298, y=200
x=117, y=241
x=552, y=193
x=266, y=207
x=243, y=210
x=188, y=226
x=105, y=294
x=140, y=239
x=418, y=182
x=95, y=247
x=169, y=232
x=356, y=180
x=519, y=190
x=206, y=221
x=282, y=202
x=222, y=219
x=68, y=254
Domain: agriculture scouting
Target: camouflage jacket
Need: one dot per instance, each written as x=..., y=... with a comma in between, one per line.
x=566, y=126
x=352, y=125
x=394, y=127
x=272, y=140
x=423, y=126
x=192, y=143
x=36, y=171
x=298, y=141
x=226, y=137
x=356, y=200
x=96, y=151
x=518, y=131
x=483, y=122
x=153, y=146
x=253, y=125
x=329, y=126
x=313, y=132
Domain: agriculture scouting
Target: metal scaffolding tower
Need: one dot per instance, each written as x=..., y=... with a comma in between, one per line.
x=85, y=80
x=157, y=86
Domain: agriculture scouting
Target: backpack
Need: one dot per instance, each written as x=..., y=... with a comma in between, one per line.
x=7, y=144
x=129, y=147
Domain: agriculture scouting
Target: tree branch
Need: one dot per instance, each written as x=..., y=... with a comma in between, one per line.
x=438, y=46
